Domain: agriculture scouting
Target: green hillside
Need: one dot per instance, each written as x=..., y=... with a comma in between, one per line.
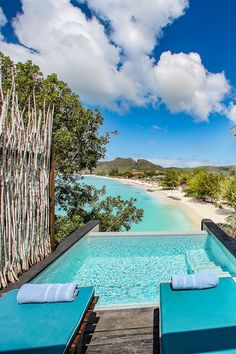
x=127, y=165
x=217, y=169
x=141, y=165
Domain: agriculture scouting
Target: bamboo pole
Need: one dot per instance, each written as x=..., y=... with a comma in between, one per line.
x=26, y=186
x=51, y=198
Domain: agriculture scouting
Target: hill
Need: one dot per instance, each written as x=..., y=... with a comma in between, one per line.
x=127, y=165
x=214, y=169
x=142, y=165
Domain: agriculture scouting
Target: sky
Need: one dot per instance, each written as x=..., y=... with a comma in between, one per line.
x=162, y=73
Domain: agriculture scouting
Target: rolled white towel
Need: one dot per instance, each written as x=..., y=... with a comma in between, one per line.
x=39, y=293
x=201, y=280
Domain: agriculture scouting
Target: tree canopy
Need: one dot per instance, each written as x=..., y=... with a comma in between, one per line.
x=78, y=147
x=205, y=185
x=170, y=179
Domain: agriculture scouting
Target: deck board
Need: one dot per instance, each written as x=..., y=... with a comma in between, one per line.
x=124, y=331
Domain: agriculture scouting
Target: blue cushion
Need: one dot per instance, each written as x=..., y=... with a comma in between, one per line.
x=41, y=328
x=198, y=321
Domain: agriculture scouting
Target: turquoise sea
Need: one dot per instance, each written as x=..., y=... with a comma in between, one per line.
x=157, y=216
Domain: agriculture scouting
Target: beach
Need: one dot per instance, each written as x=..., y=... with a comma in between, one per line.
x=196, y=210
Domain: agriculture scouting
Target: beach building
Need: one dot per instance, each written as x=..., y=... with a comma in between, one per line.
x=137, y=173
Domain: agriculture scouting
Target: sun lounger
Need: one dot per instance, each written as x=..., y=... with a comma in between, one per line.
x=44, y=328
x=198, y=321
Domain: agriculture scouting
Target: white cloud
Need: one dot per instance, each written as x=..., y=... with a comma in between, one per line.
x=152, y=142
x=3, y=21
x=116, y=69
x=184, y=85
x=181, y=162
x=156, y=127
x=137, y=24
x=231, y=113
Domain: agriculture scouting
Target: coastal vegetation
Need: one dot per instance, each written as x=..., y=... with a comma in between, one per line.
x=78, y=147
x=170, y=179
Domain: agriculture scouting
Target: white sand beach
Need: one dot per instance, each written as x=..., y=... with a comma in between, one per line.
x=195, y=209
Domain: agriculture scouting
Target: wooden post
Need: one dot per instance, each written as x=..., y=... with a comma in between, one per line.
x=51, y=198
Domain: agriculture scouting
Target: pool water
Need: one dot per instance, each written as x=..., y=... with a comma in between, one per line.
x=127, y=270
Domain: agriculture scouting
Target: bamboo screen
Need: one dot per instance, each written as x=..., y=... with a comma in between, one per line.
x=25, y=144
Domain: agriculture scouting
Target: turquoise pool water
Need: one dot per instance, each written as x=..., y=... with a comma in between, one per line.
x=157, y=216
x=127, y=270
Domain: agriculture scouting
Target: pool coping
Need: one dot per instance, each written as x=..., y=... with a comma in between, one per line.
x=227, y=241
x=149, y=233
x=64, y=246
x=127, y=306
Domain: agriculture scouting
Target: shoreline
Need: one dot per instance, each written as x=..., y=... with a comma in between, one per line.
x=195, y=210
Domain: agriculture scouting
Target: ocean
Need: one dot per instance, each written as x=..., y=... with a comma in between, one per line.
x=157, y=215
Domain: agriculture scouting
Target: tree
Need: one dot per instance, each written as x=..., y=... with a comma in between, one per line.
x=230, y=191
x=205, y=185
x=184, y=178
x=75, y=131
x=229, y=194
x=114, y=172
x=116, y=213
x=170, y=179
x=78, y=144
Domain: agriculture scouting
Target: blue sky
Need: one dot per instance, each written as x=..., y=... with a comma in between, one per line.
x=133, y=61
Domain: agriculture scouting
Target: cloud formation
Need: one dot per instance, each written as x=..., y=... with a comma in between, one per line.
x=184, y=85
x=182, y=162
x=3, y=21
x=108, y=59
x=231, y=113
x=156, y=127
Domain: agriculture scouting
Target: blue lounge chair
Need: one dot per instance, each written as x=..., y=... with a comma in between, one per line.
x=198, y=321
x=43, y=328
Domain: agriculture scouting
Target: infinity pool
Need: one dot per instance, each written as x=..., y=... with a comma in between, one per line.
x=126, y=270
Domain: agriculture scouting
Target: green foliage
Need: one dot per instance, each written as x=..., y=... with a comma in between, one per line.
x=127, y=165
x=65, y=225
x=79, y=199
x=114, y=172
x=78, y=147
x=149, y=174
x=229, y=194
x=205, y=185
x=170, y=179
x=116, y=213
x=230, y=191
x=185, y=177
x=127, y=175
x=75, y=132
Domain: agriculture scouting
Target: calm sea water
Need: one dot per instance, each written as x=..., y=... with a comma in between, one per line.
x=157, y=216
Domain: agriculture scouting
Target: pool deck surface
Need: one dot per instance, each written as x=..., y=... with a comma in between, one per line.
x=123, y=331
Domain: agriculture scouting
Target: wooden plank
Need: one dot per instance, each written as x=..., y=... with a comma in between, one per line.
x=76, y=345
x=52, y=198
x=125, y=331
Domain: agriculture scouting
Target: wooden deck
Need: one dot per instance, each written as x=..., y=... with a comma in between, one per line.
x=125, y=331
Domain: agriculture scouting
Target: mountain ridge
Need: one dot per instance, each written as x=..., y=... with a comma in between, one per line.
x=142, y=165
